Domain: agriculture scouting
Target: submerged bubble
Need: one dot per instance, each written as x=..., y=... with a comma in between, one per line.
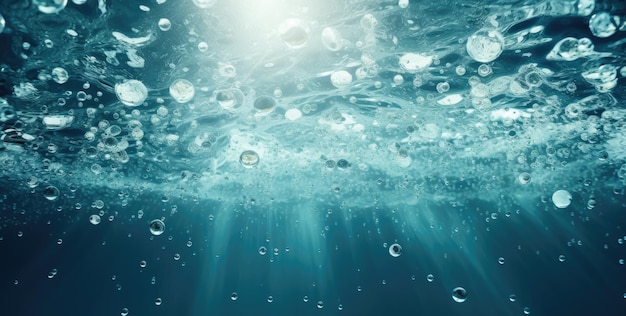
x=204, y=4
x=229, y=99
x=234, y=296
x=249, y=159
x=262, y=250
x=157, y=227
x=164, y=24
x=413, y=62
x=51, y=193
x=60, y=75
x=264, y=104
x=294, y=33
x=293, y=114
x=524, y=178
x=131, y=92
x=94, y=219
x=569, y=49
x=602, y=24
x=561, y=198
x=485, y=45
x=459, y=294
x=182, y=90
x=50, y=6
x=395, y=250
x=341, y=79
x=2, y=23
x=331, y=38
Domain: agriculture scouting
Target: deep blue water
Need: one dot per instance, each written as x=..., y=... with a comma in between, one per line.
x=287, y=146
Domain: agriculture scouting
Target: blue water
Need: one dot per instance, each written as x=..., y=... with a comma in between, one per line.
x=334, y=157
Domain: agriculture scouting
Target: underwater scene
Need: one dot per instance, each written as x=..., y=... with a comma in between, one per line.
x=312, y=157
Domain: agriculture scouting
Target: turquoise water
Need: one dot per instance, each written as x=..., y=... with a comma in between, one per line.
x=312, y=157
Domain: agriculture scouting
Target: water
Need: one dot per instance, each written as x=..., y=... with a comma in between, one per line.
x=312, y=157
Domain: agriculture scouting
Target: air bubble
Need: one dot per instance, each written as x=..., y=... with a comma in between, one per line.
x=249, y=159
x=341, y=79
x=60, y=75
x=131, y=92
x=262, y=250
x=51, y=193
x=157, y=227
x=459, y=294
x=413, y=62
x=331, y=38
x=234, y=296
x=94, y=219
x=561, y=198
x=524, y=178
x=602, y=24
x=164, y=24
x=204, y=4
x=182, y=90
x=264, y=104
x=294, y=33
x=50, y=6
x=395, y=250
x=485, y=45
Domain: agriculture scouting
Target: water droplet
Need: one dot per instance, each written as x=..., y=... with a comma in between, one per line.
x=430, y=278
x=182, y=90
x=143, y=264
x=320, y=304
x=157, y=227
x=124, y=311
x=234, y=296
x=562, y=258
x=158, y=301
x=501, y=260
x=512, y=297
x=270, y=299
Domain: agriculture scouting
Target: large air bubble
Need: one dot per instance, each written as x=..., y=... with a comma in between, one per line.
x=602, y=24
x=561, y=198
x=485, y=45
x=50, y=6
x=294, y=33
x=131, y=92
x=182, y=90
